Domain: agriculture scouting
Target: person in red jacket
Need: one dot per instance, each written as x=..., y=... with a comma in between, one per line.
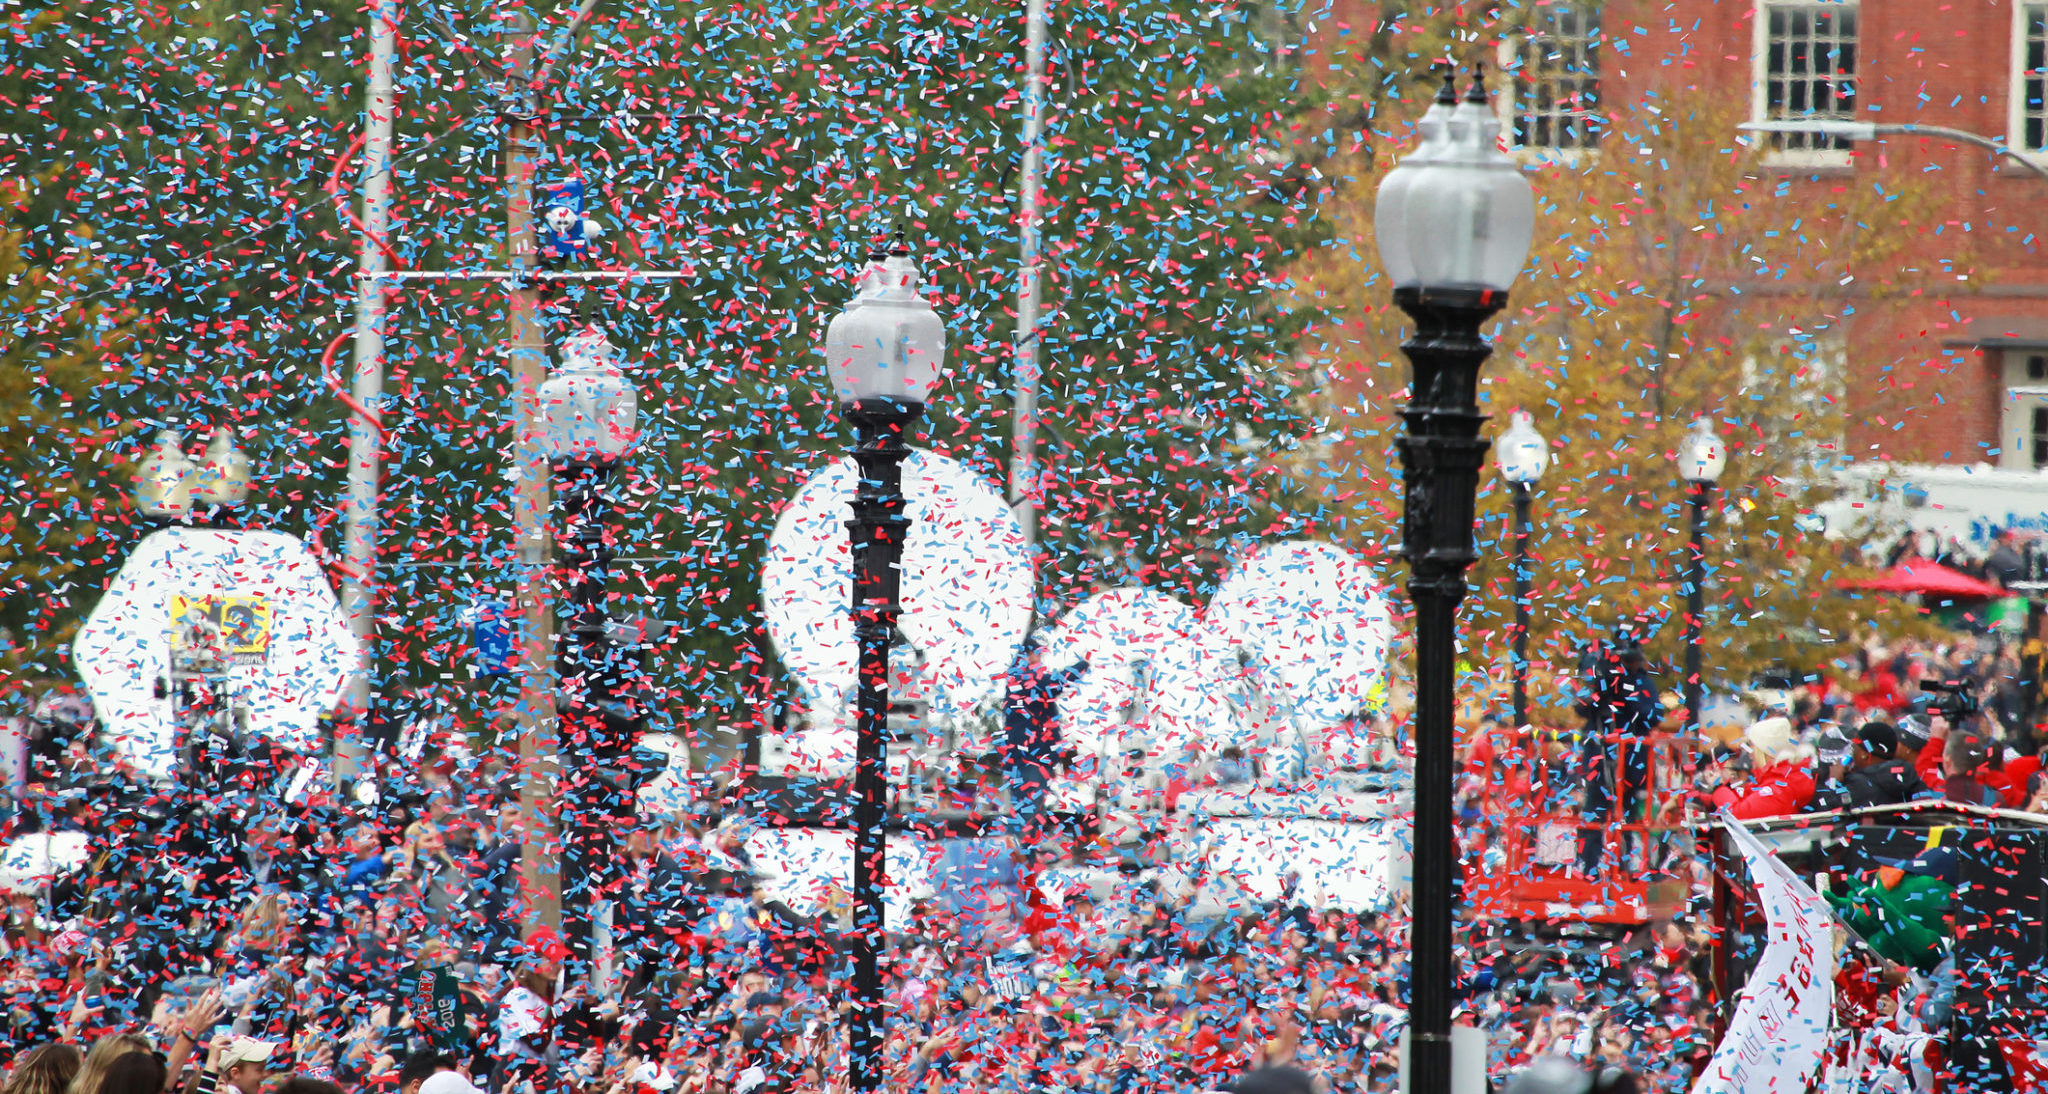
x=1779, y=783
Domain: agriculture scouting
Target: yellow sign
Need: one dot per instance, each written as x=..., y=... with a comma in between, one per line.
x=231, y=630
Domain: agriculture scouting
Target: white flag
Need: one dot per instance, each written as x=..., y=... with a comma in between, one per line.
x=1779, y=1033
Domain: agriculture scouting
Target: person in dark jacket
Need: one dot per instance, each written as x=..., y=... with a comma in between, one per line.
x=1878, y=776
x=655, y=903
x=1614, y=758
x=1030, y=737
x=1833, y=750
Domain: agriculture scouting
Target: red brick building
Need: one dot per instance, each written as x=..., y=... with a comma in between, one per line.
x=1955, y=374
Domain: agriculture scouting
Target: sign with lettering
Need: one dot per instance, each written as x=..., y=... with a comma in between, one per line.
x=1779, y=1034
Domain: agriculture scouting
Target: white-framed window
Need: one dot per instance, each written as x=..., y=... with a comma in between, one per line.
x=2023, y=429
x=2028, y=124
x=1553, y=104
x=1804, y=69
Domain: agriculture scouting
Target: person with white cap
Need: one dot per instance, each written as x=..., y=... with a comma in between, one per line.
x=237, y=1064
x=449, y=1082
x=1779, y=784
x=1833, y=750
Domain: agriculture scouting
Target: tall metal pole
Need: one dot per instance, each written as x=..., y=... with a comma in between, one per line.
x=1695, y=602
x=366, y=386
x=1521, y=666
x=1441, y=452
x=528, y=359
x=588, y=810
x=876, y=530
x=1024, y=427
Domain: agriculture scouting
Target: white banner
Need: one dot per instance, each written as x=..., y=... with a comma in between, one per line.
x=1779, y=1033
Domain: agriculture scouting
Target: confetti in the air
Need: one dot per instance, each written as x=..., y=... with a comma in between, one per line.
x=657, y=548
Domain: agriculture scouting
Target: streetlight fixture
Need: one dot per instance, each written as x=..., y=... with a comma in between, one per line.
x=886, y=352
x=1701, y=457
x=1453, y=222
x=589, y=421
x=1522, y=456
x=1865, y=132
x=170, y=487
x=163, y=485
x=222, y=481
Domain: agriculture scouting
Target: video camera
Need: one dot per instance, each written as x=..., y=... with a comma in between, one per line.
x=1958, y=701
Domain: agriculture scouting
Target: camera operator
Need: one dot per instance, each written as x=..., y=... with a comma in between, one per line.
x=1963, y=753
x=1963, y=759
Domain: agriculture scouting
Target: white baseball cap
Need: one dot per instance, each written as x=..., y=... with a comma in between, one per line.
x=246, y=1050
x=653, y=1076
x=448, y=1082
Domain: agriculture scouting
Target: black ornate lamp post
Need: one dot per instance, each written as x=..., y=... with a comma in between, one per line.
x=886, y=352
x=1522, y=457
x=588, y=423
x=1453, y=223
x=1701, y=457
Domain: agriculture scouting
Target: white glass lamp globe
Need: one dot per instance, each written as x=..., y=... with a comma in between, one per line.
x=1456, y=213
x=1522, y=453
x=163, y=486
x=888, y=343
x=589, y=412
x=223, y=476
x=1702, y=455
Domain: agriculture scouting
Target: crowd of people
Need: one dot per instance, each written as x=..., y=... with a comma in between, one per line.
x=1866, y=731
x=2009, y=558
x=233, y=936
x=1877, y=735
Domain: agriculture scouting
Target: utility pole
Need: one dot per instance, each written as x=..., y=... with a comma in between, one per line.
x=366, y=385
x=1024, y=428
x=540, y=864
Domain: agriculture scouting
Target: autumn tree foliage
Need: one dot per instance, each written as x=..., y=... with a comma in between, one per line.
x=1664, y=285
x=53, y=359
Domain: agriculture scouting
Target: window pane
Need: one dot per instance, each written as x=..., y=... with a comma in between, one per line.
x=1810, y=65
x=1557, y=83
x=2033, y=110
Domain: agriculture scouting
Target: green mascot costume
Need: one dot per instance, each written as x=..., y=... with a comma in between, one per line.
x=1902, y=911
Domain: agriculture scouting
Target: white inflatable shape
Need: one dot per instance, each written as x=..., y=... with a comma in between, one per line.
x=1345, y=865
x=810, y=869
x=966, y=589
x=31, y=863
x=1133, y=638
x=306, y=650
x=1316, y=623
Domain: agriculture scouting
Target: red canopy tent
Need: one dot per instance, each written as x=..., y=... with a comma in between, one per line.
x=1925, y=576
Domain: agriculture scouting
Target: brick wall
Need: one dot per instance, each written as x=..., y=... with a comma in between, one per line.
x=1913, y=393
